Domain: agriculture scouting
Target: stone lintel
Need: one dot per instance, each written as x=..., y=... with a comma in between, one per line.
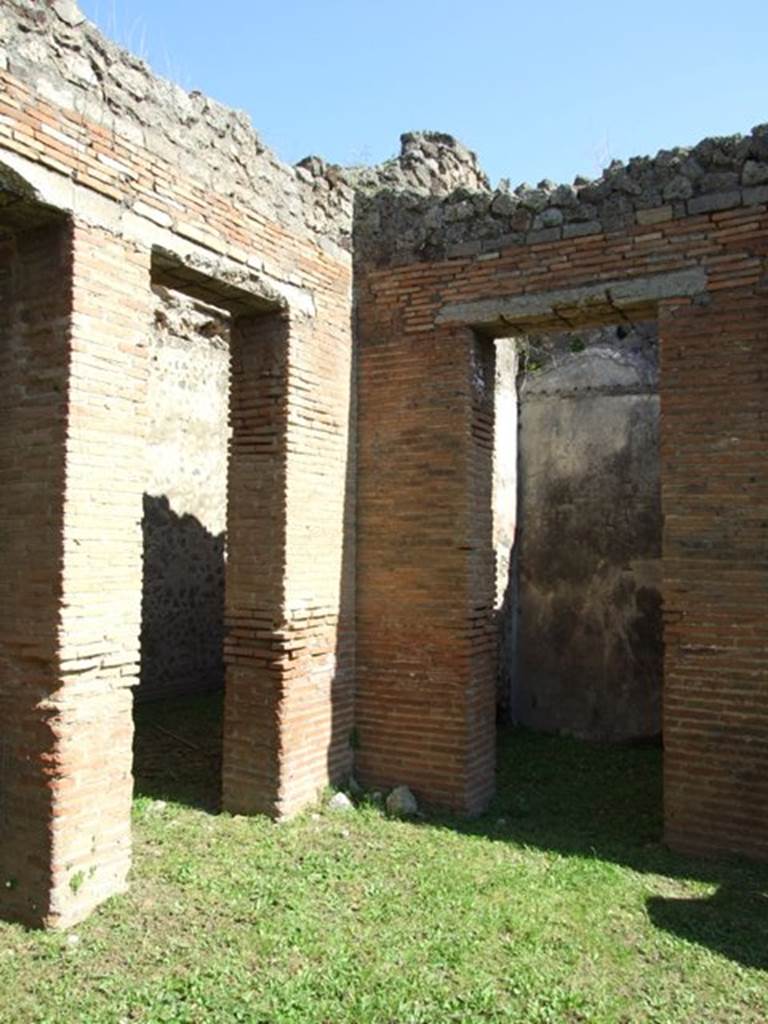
x=603, y=302
x=216, y=280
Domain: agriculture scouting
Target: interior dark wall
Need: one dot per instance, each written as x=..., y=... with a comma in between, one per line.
x=586, y=654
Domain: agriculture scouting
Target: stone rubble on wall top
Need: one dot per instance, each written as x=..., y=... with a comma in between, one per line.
x=431, y=201
x=430, y=163
x=399, y=219
x=69, y=62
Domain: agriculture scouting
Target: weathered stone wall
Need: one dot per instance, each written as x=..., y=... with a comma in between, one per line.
x=429, y=163
x=75, y=67
x=587, y=654
x=400, y=218
x=185, y=503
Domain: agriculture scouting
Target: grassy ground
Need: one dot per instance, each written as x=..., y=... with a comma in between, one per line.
x=558, y=906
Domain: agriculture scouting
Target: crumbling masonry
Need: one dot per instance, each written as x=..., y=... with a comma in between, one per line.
x=362, y=604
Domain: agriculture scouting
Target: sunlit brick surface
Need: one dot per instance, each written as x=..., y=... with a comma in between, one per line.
x=378, y=648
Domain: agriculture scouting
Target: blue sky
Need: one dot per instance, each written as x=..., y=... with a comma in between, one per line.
x=537, y=90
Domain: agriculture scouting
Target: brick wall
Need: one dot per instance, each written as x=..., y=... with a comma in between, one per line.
x=320, y=552
x=74, y=397
x=289, y=610
x=713, y=344
x=100, y=612
x=134, y=211
x=255, y=578
x=150, y=179
x=714, y=434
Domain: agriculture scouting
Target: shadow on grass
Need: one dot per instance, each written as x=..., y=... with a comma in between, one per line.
x=580, y=799
x=560, y=795
x=733, y=922
x=177, y=750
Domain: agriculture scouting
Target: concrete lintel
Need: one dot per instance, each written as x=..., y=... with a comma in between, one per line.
x=605, y=301
x=231, y=282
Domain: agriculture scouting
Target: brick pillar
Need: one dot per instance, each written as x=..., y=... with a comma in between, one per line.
x=426, y=655
x=289, y=587
x=714, y=368
x=100, y=621
x=34, y=309
x=71, y=579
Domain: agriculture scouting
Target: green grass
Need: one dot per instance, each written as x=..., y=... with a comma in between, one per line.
x=559, y=906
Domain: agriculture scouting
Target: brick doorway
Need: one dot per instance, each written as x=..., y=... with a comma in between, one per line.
x=212, y=528
x=577, y=532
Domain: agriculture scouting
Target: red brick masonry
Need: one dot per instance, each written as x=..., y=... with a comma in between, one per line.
x=415, y=490
x=360, y=576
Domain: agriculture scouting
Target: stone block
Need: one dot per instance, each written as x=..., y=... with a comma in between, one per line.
x=715, y=201
x=654, y=216
x=582, y=229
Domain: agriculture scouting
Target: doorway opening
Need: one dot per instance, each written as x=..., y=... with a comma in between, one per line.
x=212, y=519
x=577, y=532
x=177, y=749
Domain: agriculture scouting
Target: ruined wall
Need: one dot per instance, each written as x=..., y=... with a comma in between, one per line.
x=681, y=238
x=154, y=184
x=74, y=67
x=158, y=186
x=586, y=655
x=185, y=502
x=401, y=216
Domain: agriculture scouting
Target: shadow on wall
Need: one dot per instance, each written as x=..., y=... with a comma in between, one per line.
x=178, y=743
x=182, y=631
